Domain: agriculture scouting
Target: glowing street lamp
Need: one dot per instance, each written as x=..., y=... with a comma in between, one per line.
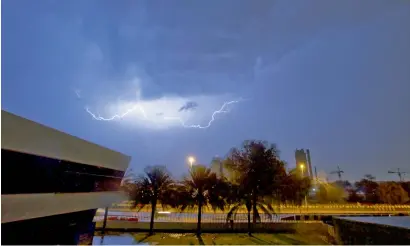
x=191, y=160
x=302, y=166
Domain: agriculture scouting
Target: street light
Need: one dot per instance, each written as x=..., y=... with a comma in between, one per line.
x=191, y=160
x=302, y=166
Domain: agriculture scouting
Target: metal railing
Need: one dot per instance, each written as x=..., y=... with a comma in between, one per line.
x=186, y=217
x=292, y=209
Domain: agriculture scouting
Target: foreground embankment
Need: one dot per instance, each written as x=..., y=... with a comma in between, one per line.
x=372, y=230
x=142, y=238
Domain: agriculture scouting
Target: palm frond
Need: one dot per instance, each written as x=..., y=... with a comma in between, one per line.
x=153, y=186
x=270, y=208
x=257, y=215
x=265, y=210
x=233, y=211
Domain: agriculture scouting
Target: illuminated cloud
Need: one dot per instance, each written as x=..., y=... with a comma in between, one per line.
x=164, y=112
x=134, y=109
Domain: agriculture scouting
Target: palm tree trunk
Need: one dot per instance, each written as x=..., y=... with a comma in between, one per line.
x=255, y=211
x=198, y=227
x=105, y=220
x=249, y=223
x=151, y=223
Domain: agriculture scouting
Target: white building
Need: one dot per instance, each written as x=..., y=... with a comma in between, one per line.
x=52, y=183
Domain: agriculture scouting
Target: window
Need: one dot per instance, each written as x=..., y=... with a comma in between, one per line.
x=26, y=173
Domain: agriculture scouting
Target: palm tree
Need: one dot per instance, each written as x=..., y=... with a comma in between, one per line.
x=240, y=197
x=261, y=172
x=202, y=188
x=156, y=185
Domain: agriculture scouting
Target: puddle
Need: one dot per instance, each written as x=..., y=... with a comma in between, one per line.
x=116, y=240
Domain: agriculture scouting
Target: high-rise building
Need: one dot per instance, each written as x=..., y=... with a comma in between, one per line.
x=53, y=183
x=309, y=164
x=303, y=162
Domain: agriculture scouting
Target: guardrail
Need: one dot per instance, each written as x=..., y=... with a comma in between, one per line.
x=290, y=209
x=185, y=218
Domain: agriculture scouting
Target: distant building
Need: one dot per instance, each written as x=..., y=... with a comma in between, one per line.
x=303, y=162
x=53, y=183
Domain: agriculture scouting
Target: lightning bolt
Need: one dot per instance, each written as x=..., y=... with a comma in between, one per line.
x=221, y=110
x=77, y=92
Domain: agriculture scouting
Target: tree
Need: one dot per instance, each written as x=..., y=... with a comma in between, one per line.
x=406, y=186
x=392, y=193
x=369, y=186
x=202, y=188
x=260, y=171
x=331, y=192
x=240, y=197
x=294, y=187
x=353, y=196
x=231, y=172
x=156, y=185
x=128, y=183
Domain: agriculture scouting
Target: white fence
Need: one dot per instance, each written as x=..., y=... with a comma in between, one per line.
x=183, y=217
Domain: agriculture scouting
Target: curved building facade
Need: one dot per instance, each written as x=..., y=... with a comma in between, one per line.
x=52, y=183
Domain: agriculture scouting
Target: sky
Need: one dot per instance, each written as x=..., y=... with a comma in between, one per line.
x=331, y=76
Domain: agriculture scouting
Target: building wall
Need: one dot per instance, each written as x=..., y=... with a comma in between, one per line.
x=47, y=172
x=309, y=165
x=26, y=136
x=65, y=229
x=52, y=183
x=27, y=206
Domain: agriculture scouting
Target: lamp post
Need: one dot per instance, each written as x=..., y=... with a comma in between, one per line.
x=191, y=161
x=302, y=167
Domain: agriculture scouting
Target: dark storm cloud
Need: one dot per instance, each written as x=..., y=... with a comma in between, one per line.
x=189, y=106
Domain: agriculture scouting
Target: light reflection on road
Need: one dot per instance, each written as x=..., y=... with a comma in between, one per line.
x=124, y=239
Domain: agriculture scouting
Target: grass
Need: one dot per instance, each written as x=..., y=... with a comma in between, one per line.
x=225, y=239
